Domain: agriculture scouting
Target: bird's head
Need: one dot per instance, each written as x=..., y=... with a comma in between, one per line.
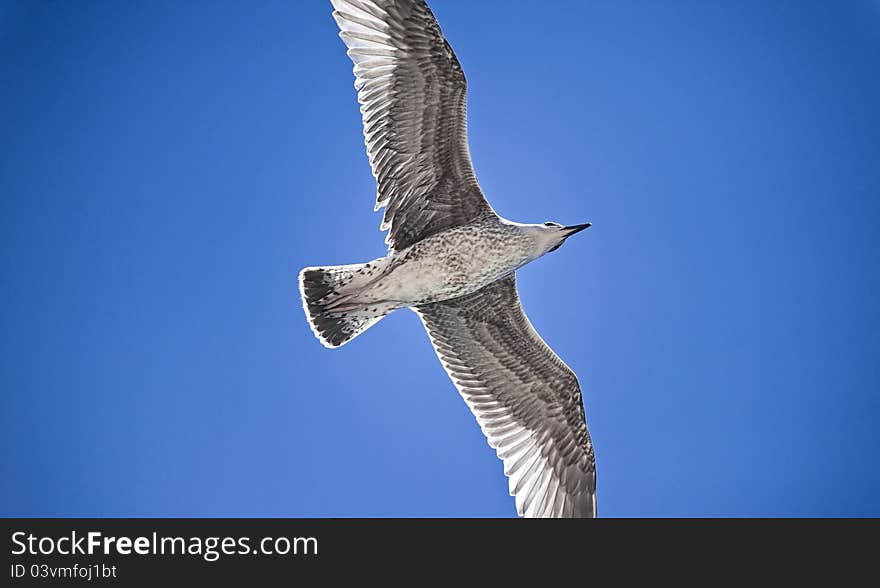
x=550, y=236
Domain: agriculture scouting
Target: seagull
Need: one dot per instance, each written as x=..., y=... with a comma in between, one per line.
x=452, y=259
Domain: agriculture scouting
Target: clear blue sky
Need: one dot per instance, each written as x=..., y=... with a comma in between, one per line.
x=167, y=168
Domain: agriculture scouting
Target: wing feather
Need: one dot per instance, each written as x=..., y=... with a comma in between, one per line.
x=412, y=92
x=526, y=400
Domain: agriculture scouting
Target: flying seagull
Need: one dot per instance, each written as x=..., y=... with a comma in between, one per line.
x=452, y=259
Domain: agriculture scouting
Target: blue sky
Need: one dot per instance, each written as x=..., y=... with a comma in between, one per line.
x=166, y=168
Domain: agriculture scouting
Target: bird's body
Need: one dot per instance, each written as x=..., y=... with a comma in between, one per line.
x=452, y=259
x=453, y=263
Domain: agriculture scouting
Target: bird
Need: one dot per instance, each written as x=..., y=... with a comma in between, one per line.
x=452, y=259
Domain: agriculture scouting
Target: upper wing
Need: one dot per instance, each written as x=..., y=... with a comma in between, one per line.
x=412, y=93
x=527, y=401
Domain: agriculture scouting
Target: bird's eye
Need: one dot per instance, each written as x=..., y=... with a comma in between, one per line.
x=550, y=224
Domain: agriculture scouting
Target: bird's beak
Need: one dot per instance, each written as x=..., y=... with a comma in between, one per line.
x=569, y=231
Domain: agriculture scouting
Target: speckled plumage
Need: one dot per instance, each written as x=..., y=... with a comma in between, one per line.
x=456, y=262
x=452, y=259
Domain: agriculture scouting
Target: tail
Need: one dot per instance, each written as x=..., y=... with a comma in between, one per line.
x=327, y=300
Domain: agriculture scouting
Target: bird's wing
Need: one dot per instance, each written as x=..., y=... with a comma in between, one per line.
x=526, y=400
x=412, y=93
